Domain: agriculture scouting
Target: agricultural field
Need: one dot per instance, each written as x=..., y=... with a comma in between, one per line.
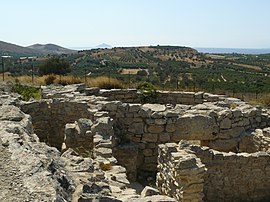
x=167, y=67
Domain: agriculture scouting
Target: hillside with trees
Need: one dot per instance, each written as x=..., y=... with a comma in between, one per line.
x=167, y=67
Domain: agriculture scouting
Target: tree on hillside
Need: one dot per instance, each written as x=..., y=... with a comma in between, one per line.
x=54, y=66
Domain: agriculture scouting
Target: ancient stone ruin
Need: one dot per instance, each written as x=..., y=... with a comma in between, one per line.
x=88, y=144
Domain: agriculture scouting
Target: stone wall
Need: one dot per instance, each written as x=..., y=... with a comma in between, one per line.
x=163, y=97
x=217, y=125
x=79, y=136
x=181, y=173
x=50, y=116
x=129, y=133
x=227, y=177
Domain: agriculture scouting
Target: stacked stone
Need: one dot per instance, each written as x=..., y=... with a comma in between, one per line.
x=177, y=97
x=235, y=177
x=258, y=140
x=232, y=123
x=180, y=173
x=79, y=136
x=54, y=114
x=103, y=133
x=162, y=97
x=218, y=125
x=103, y=150
x=124, y=95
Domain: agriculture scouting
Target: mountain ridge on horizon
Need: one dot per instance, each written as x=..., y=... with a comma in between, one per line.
x=50, y=48
x=35, y=49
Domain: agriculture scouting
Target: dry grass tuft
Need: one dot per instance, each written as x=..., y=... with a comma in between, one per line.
x=264, y=100
x=105, y=83
x=101, y=82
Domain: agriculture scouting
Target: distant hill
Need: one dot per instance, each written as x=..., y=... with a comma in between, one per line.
x=34, y=50
x=145, y=55
x=103, y=45
x=233, y=50
x=51, y=49
x=12, y=49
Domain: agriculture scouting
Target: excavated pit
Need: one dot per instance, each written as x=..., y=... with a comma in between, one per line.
x=49, y=118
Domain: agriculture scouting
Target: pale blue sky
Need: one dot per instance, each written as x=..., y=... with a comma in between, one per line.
x=84, y=23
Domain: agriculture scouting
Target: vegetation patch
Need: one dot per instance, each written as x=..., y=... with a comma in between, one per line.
x=148, y=92
x=106, y=83
x=27, y=92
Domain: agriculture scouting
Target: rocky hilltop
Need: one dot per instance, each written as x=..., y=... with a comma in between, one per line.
x=88, y=144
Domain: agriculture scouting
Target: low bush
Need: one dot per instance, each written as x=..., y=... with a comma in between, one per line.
x=148, y=92
x=27, y=92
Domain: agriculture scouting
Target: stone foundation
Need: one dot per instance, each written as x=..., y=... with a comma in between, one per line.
x=143, y=138
x=193, y=173
x=49, y=118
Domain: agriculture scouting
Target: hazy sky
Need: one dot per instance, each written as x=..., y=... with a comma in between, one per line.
x=84, y=23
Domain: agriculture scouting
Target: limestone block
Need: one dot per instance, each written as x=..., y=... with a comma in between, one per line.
x=199, y=95
x=236, y=113
x=155, y=198
x=149, y=191
x=225, y=124
x=111, y=106
x=169, y=114
x=170, y=128
x=188, y=94
x=92, y=91
x=155, y=129
x=137, y=120
x=136, y=128
x=141, y=146
x=199, y=101
x=195, y=127
x=150, y=137
x=84, y=125
x=154, y=107
x=151, y=145
x=129, y=115
x=147, y=152
x=150, y=121
x=145, y=112
x=224, y=145
x=134, y=107
x=160, y=121
x=186, y=100
x=164, y=137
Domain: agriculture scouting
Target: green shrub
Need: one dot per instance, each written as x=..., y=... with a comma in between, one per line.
x=148, y=92
x=27, y=92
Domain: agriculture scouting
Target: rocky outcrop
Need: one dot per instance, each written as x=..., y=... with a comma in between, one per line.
x=30, y=170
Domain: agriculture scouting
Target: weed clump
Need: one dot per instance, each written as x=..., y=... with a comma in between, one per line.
x=27, y=92
x=148, y=92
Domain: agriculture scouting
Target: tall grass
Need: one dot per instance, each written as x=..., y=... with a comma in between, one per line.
x=264, y=100
x=101, y=82
x=105, y=83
